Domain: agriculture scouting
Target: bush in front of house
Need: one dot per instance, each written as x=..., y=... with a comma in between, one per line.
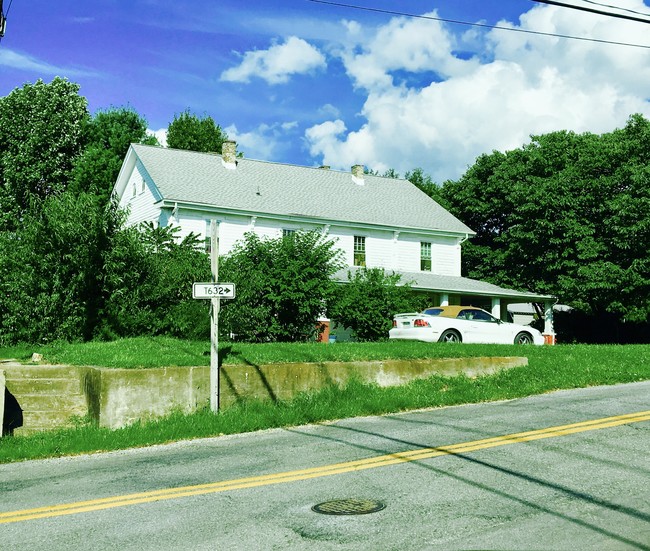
x=368, y=302
x=283, y=286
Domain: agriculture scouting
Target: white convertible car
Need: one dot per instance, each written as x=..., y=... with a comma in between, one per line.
x=461, y=324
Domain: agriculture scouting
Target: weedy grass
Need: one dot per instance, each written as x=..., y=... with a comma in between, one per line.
x=549, y=368
x=151, y=352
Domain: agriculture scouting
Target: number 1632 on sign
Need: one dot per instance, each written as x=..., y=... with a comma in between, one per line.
x=213, y=290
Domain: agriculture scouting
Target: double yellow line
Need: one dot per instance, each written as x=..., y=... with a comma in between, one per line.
x=316, y=472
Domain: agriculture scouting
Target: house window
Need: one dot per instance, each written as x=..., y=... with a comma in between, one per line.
x=287, y=232
x=143, y=186
x=425, y=256
x=359, y=250
x=135, y=191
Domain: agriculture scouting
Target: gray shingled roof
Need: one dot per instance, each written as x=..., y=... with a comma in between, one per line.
x=279, y=189
x=452, y=284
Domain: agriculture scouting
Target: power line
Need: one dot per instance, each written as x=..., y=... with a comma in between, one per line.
x=615, y=7
x=484, y=25
x=592, y=10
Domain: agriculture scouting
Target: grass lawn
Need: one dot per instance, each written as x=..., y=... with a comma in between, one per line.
x=550, y=368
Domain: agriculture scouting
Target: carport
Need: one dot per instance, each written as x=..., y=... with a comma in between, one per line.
x=451, y=290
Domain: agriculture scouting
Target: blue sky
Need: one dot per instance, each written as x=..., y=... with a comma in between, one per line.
x=308, y=83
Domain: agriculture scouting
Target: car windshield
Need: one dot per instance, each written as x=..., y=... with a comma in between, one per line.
x=476, y=315
x=433, y=311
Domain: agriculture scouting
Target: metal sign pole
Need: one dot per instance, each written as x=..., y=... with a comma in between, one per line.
x=214, y=319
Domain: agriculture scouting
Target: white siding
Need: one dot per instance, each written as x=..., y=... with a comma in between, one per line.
x=445, y=254
x=141, y=205
x=188, y=224
x=379, y=245
x=232, y=228
x=446, y=257
x=408, y=254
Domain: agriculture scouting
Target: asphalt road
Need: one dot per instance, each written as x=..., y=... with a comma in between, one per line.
x=567, y=470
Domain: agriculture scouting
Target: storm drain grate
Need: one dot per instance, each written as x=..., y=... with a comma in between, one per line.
x=348, y=507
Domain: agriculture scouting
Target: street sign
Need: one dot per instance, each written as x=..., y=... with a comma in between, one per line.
x=213, y=290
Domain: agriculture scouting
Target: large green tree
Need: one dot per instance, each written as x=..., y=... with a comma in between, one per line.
x=283, y=285
x=69, y=269
x=187, y=131
x=50, y=271
x=106, y=137
x=41, y=129
x=567, y=214
x=424, y=182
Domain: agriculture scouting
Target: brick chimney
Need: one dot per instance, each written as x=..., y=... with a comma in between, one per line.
x=357, y=174
x=229, y=154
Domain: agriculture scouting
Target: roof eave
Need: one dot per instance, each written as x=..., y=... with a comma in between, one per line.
x=125, y=172
x=294, y=217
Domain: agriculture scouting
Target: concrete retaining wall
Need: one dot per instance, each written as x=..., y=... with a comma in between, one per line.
x=119, y=397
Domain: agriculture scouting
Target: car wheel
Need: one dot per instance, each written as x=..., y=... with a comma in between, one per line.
x=523, y=338
x=450, y=336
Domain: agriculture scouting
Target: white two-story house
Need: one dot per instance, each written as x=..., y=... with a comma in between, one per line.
x=376, y=221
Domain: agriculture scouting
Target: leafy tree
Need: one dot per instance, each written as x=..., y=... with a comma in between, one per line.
x=49, y=271
x=187, y=131
x=566, y=215
x=283, y=285
x=40, y=138
x=368, y=302
x=68, y=268
x=424, y=182
x=107, y=137
x=148, y=284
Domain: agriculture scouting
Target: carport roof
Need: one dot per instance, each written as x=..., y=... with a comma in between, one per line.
x=422, y=281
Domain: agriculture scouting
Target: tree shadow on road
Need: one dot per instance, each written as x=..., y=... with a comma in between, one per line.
x=564, y=490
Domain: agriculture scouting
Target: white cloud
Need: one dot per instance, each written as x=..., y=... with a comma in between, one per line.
x=524, y=84
x=15, y=60
x=160, y=134
x=278, y=63
x=329, y=110
x=412, y=45
x=264, y=141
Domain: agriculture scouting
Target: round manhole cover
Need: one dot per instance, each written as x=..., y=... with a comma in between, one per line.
x=348, y=507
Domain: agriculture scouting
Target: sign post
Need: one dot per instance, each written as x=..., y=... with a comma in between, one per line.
x=214, y=319
x=215, y=292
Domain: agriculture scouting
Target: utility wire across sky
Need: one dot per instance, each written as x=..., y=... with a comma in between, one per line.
x=619, y=8
x=599, y=12
x=483, y=25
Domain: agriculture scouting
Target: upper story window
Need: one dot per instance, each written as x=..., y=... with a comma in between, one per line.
x=143, y=186
x=425, y=256
x=359, y=250
x=135, y=191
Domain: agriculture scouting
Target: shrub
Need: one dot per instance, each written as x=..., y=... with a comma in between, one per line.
x=368, y=302
x=283, y=286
